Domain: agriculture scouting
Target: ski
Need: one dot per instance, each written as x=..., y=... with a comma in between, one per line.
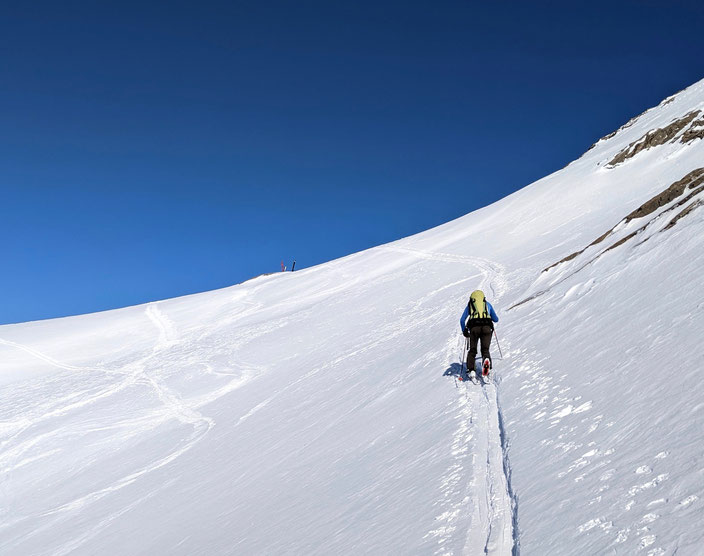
x=473, y=378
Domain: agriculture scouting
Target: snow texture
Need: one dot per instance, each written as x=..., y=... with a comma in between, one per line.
x=319, y=412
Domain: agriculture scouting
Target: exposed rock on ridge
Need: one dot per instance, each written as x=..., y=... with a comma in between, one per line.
x=693, y=181
x=661, y=136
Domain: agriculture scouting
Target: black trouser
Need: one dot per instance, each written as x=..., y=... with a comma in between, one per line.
x=477, y=333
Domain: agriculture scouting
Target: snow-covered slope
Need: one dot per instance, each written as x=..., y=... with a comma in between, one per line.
x=317, y=412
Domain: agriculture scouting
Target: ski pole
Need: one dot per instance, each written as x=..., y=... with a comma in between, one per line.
x=498, y=344
x=454, y=376
x=463, y=355
x=464, y=363
x=466, y=352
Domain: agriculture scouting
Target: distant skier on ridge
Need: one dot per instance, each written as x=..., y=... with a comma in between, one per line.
x=477, y=323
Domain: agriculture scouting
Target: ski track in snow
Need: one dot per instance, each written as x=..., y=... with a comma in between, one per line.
x=140, y=372
x=167, y=332
x=493, y=519
x=491, y=522
x=479, y=517
x=46, y=358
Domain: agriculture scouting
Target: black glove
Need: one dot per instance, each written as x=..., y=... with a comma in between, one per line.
x=465, y=333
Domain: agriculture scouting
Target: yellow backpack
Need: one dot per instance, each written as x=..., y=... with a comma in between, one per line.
x=478, y=310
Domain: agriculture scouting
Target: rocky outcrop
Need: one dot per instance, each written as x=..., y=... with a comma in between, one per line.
x=693, y=180
x=692, y=184
x=659, y=136
x=577, y=253
x=683, y=213
x=695, y=131
x=676, y=195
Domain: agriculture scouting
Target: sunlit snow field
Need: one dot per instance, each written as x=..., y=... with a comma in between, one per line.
x=319, y=412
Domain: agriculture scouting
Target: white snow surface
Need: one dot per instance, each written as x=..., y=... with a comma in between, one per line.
x=316, y=412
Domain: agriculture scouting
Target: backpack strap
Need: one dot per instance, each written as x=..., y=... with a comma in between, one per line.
x=482, y=317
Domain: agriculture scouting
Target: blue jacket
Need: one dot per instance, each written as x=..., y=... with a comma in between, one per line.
x=465, y=315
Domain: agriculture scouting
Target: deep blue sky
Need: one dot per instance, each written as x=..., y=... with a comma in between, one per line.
x=154, y=149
